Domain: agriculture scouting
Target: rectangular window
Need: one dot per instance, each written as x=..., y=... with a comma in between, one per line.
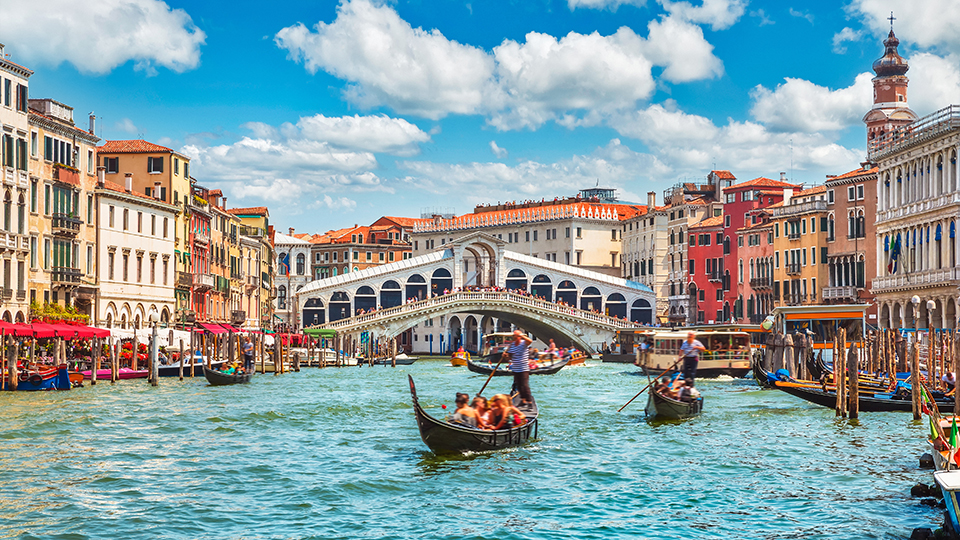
x=776, y=259
x=110, y=265
x=851, y=193
x=730, y=198
x=176, y=166
x=823, y=255
x=126, y=267
x=164, y=229
x=390, y=257
x=90, y=161
x=860, y=192
x=776, y=230
x=567, y=232
x=46, y=199
x=164, y=271
x=153, y=225
x=528, y=236
x=33, y=196
x=34, y=144
x=90, y=209
x=726, y=221
x=813, y=225
x=579, y=232
x=110, y=213
x=46, y=253
x=803, y=256
x=33, y=252
x=7, y=92
x=356, y=255
x=813, y=255
x=89, y=260
x=534, y=236
x=692, y=266
x=579, y=257
x=154, y=165
x=139, y=269
x=369, y=256
x=139, y=223
x=613, y=234
x=163, y=194
x=803, y=226
x=112, y=165
x=153, y=270
x=186, y=170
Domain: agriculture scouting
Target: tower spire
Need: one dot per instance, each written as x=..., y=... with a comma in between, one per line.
x=890, y=109
x=891, y=18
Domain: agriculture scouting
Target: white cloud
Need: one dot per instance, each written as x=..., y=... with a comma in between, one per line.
x=764, y=18
x=127, y=126
x=934, y=82
x=614, y=165
x=687, y=144
x=497, y=151
x=720, y=14
x=98, y=36
x=378, y=133
x=800, y=105
x=612, y=5
x=922, y=23
x=388, y=61
x=573, y=80
x=843, y=36
x=802, y=15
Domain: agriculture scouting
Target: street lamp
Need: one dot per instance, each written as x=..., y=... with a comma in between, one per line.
x=916, y=310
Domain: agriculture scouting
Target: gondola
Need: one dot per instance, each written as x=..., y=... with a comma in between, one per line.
x=504, y=370
x=764, y=378
x=444, y=437
x=878, y=402
x=219, y=378
x=661, y=407
x=53, y=378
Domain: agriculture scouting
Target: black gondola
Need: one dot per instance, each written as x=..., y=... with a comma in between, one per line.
x=504, y=370
x=444, y=437
x=884, y=403
x=219, y=378
x=661, y=407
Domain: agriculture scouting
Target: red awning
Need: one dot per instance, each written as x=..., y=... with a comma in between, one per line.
x=22, y=330
x=213, y=328
x=42, y=330
x=229, y=328
x=88, y=332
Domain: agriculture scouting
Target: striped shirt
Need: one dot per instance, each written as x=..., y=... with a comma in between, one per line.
x=519, y=357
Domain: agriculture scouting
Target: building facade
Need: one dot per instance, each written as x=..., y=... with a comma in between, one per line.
x=292, y=273
x=851, y=233
x=800, y=247
x=645, y=246
x=755, y=266
x=706, y=271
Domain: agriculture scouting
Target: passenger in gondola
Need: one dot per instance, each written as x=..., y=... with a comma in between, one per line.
x=534, y=358
x=663, y=387
x=951, y=381
x=688, y=392
x=505, y=415
x=483, y=411
x=464, y=414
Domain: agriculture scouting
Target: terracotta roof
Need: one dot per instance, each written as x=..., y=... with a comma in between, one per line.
x=403, y=221
x=113, y=186
x=756, y=226
x=715, y=221
x=724, y=175
x=497, y=218
x=255, y=210
x=854, y=173
x=762, y=182
x=771, y=192
x=811, y=191
x=57, y=120
x=216, y=192
x=135, y=146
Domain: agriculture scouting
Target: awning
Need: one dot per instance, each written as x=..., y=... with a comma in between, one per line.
x=229, y=328
x=213, y=328
x=320, y=332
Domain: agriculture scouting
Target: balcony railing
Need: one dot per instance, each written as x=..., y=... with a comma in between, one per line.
x=201, y=237
x=247, y=230
x=924, y=129
x=65, y=224
x=252, y=283
x=839, y=293
x=6, y=294
x=760, y=283
x=793, y=268
x=184, y=280
x=793, y=236
x=715, y=276
x=925, y=278
x=21, y=295
x=795, y=299
x=238, y=317
x=800, y=208
x=203, y=282
x=63, y=275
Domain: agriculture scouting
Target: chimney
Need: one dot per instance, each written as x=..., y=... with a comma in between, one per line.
x=291, y=231
x=93, y=124
x=651, y=200
x=783, y=177
x=156, y=190
x=128, y=182
x=101, y=171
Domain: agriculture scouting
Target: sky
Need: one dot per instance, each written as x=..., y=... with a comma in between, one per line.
x=336, y=113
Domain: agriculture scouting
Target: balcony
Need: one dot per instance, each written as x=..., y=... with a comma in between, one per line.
x=201, y=238
x=10, y=241
x=760, y=283
x=66, y=174
x=799, y=208
x=252, y=283
x=715, y=276
x=21, y=296
x=6, y=294
x=255, y=232
x=63, y=275
x=184, y=280
x=929, y=127
x=839, y=293
x=795, y=299
x=793, y=236
x=793, y=269
x=947, y=277
x=237, y=318
x=65, y=225
x=203, y=282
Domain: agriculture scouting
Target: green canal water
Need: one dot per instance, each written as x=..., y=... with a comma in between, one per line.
x=335, y=453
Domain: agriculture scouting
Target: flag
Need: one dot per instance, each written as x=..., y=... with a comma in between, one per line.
x=894, y=259
x=953, y=433
x=285, y=264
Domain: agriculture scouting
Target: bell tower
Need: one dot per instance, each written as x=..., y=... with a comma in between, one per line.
x=890, y=109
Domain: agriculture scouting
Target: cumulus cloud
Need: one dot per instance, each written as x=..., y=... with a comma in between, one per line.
x=378, y=133
x=612, y=5
x=572, y=79
x=720, y=14
x=497, y=151
x=926, y=24
x=687, y=144
x=934, y=82
x=127, y=126
x=800, y=105
x=98, y=36
x=846, y=35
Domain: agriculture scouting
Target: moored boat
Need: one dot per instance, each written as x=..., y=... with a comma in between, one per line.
x=869, y=401
x=218, y=378
x=53, y=378
x=504, y=370
x=665, y=408
x=122, y=373
x=949, y=482
x=444, y=437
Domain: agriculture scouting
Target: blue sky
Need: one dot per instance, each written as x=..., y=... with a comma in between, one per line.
x=337, y=113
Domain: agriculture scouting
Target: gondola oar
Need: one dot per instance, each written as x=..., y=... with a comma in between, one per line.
x=502, y=358
x=657, y=378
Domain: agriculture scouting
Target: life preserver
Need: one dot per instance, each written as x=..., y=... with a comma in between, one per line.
x=35, y=379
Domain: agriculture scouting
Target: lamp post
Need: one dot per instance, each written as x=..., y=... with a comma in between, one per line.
x=154, y=318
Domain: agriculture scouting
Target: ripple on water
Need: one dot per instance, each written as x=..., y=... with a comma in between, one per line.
x=336, y=454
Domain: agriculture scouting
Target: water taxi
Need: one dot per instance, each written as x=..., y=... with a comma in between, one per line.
x=728, y=352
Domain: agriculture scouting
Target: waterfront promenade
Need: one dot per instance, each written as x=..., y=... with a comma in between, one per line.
x=335, y=453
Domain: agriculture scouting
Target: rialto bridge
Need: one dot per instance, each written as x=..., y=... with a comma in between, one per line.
x=568, y=304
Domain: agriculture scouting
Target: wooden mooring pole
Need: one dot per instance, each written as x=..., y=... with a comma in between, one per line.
x=915, y=379
x=853, y=402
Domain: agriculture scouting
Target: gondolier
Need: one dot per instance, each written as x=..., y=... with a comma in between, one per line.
x=520, y=365
x=690, y=353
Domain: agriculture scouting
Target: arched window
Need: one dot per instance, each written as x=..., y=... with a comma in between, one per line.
x=830, y=227
x=301, y=264
x=281, y=297
x=861, y=225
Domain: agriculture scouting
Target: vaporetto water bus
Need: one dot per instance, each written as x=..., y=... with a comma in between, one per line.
x=728, y=352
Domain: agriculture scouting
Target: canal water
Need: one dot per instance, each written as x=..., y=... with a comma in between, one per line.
x=335, y=453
